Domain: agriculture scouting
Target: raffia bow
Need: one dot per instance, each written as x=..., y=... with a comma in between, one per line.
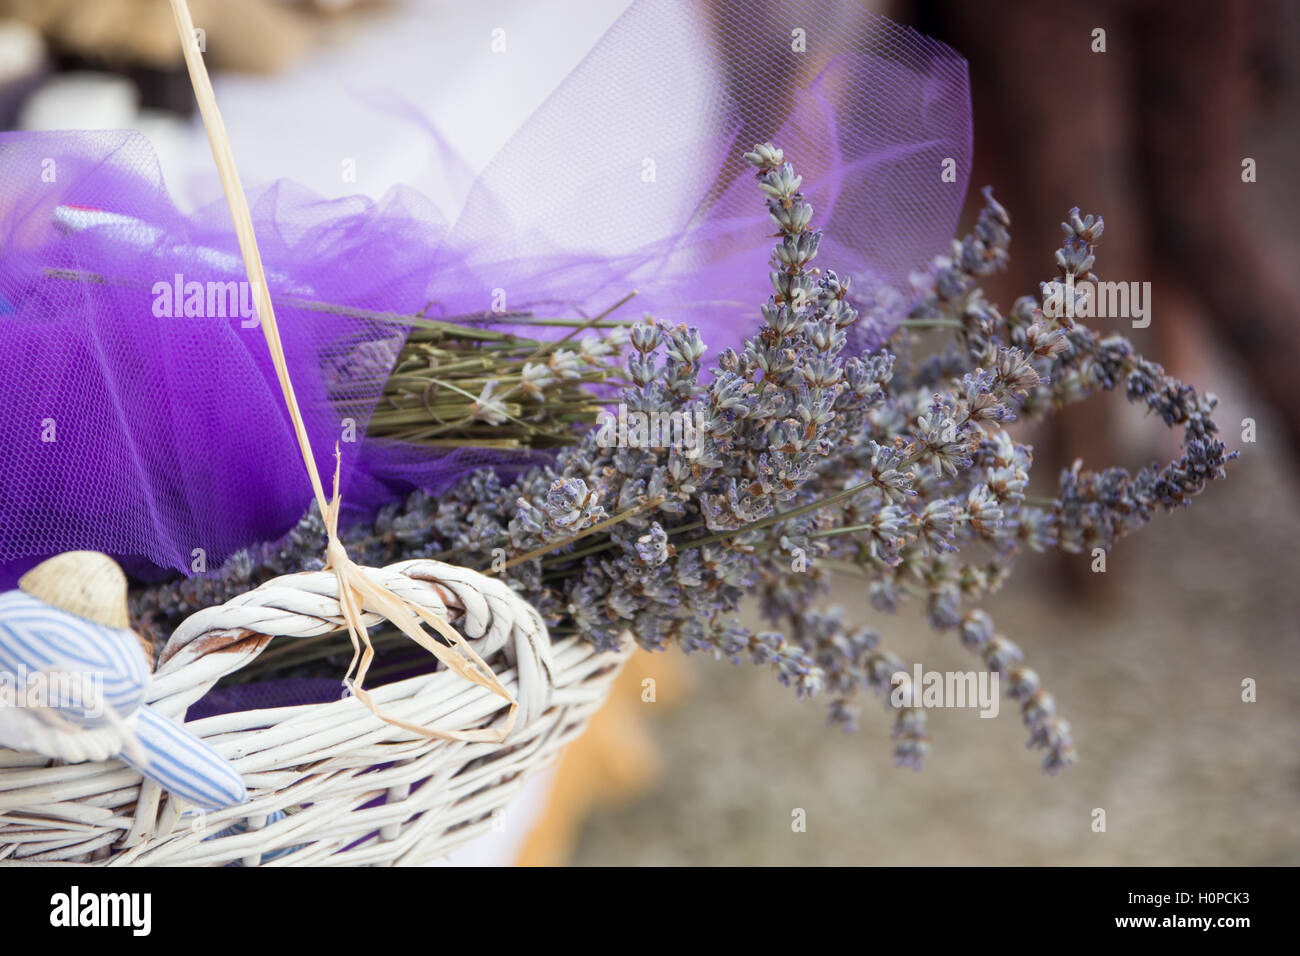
x=356, y=590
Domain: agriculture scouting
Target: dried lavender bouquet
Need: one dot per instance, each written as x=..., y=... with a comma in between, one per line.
x=806, y=460
x=460, y=383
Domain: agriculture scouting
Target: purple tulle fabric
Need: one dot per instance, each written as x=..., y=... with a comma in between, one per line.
x=265, y=695
x=149, y=436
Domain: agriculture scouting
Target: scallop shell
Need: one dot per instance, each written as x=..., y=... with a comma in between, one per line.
x=85, y=583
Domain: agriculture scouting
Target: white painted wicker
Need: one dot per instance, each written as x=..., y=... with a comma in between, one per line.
x=332, y=783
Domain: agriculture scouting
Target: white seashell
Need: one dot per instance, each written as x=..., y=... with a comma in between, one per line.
x=85, y=583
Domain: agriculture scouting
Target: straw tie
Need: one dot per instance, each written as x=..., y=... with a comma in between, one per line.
x=356, y=589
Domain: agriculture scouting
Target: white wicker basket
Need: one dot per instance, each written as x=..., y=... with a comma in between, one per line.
x=333, y=784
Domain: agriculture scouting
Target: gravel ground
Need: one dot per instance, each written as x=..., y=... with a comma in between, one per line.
x=1149, y=676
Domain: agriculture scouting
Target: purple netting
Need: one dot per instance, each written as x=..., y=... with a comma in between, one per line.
x=299, y=691
x=265, y=695
x=149, y=436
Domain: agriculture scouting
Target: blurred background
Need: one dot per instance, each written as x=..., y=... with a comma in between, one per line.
x=1146, y=660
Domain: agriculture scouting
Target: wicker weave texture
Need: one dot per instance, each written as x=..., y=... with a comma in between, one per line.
x=329, y=784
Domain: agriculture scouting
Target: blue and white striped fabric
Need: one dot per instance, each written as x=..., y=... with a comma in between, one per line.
x=181, y=763
x=241, y=826
x=84, y=666
x=37, y=638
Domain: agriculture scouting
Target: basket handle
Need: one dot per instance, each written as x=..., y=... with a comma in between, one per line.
x=219, y=640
